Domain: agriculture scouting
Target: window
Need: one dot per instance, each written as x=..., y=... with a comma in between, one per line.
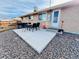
x=30, y=17
x=43, y=16
x=40, y=16
x=56, y=13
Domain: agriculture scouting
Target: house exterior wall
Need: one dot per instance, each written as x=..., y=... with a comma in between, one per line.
x=49, y=19
x=24, y=20
x=70, y=16
x=35, y=19
x=47, y=22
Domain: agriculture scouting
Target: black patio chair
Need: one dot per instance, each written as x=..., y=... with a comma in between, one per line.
x=23, y=25
x=19, y=26
x=29, y=26
x=26, y=25
x=35, y=26
x=38, y=25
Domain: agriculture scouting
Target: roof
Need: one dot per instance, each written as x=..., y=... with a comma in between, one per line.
x=6, y=20
x=54, y=7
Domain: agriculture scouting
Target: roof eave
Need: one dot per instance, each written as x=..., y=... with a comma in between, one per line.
x=47, y=9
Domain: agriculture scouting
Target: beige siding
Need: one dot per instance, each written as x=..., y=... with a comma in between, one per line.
x=35, y=17
x=70, y=15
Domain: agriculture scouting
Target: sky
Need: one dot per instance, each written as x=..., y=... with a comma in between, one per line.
x=14, y=8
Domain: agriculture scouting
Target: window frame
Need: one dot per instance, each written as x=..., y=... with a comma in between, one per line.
x=42, y=15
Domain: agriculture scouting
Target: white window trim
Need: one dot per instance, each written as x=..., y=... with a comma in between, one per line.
x=46, y=17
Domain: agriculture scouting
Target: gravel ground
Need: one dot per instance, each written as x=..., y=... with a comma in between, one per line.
x=64, y=46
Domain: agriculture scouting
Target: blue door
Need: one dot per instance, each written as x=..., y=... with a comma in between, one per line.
x=55, y=18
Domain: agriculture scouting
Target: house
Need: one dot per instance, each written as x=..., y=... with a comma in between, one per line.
x=66, y=14
x=8, y=24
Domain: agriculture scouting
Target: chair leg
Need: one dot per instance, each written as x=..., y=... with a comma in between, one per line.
x=32, y=29
x=36, y=28
x=27, y=28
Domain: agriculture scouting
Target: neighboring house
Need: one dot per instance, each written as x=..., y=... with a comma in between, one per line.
x=53, y=16
x=10, y=24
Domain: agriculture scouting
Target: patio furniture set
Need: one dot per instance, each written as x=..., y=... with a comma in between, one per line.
x=29, y=26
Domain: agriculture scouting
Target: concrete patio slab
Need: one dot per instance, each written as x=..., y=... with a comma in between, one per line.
x=36, y=39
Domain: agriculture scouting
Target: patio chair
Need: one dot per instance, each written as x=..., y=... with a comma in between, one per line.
x=23, y=25
x=19, y=25
x=35, y=26
x=26, y=26
x=29, y=26
x=38, y=25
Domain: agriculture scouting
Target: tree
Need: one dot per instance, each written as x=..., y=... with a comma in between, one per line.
x=35, y=8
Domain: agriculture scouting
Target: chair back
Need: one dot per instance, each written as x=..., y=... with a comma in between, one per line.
x=29, y=23
x=38, y=24
x=34, y=24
